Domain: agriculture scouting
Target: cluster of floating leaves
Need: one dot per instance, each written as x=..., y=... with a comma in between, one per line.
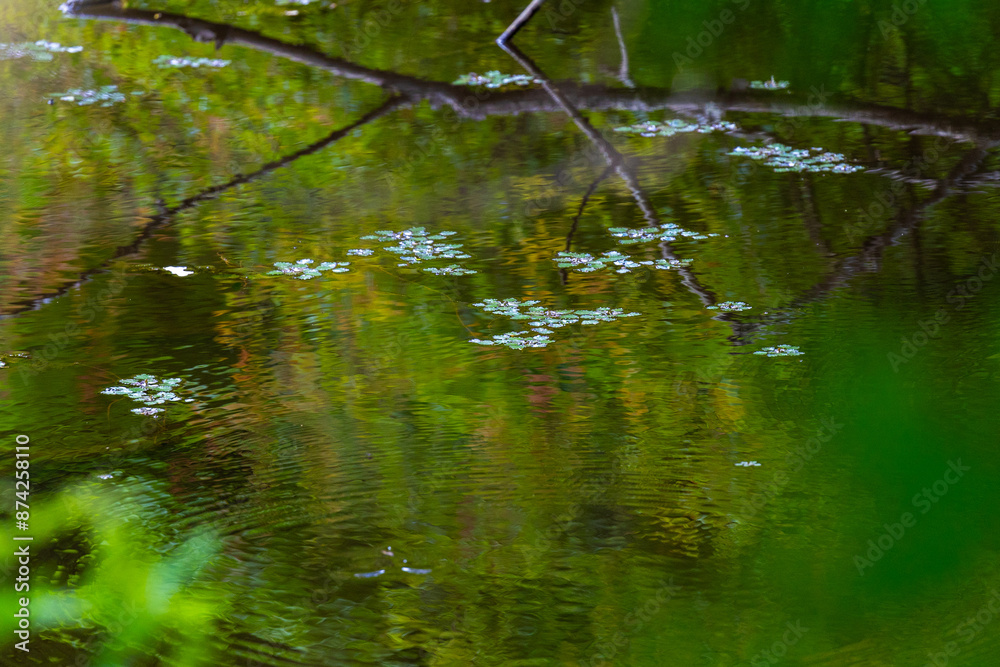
x=652, y=128
x=17, y=355
x=178, y=61
x=731, y=306
x=783, y=158
x=147, y=389
x=106, y=95
x=668, y=232
x=361, y=252
x=494, y=79
x=517, y=340
x=585, y=262
x=452, y=270
x=416, y=245
x=769, y=85
x=541, y=320
x=780, y=351
x=301, y=269
x=40, y=50
x=748, y=464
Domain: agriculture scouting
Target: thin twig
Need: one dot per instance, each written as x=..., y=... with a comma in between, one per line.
x=563, y=273
x=519, y=22
x=623, y=69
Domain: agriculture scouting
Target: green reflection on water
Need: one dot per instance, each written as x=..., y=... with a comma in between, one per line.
x=579, y=502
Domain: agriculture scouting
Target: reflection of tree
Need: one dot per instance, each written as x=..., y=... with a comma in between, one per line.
x=617, y=162
x=907, y=221
x=168, y=214
x=563, y=273
x=570, y=98
x=585, y=97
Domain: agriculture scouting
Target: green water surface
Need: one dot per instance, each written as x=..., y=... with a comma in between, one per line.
x=343, y=476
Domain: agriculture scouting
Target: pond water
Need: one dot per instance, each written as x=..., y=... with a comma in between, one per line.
x=337, y=334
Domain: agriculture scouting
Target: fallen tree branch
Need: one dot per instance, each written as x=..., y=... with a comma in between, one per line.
x=582, y=96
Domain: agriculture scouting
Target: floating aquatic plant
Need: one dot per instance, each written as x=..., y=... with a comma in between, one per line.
x=507, y=307
x=731, y=306
x=541, y=320
x=147, y=389
x=416, y=245
x=597, y=315
x=361, y=252
x=668, y=232
x=769, y=85
x=40, y=50
x=652, y=128
x=748, y=464
x=585, y=262
x=453, y=270
x=16, y=355
x=515, y=341
x=494, y=79
x=301, y=269
x=369, y=575
x=106, y=95
x=181, y=61
x=780, y=351
x=783, y=158
x=181, y=271
x=415, y=570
